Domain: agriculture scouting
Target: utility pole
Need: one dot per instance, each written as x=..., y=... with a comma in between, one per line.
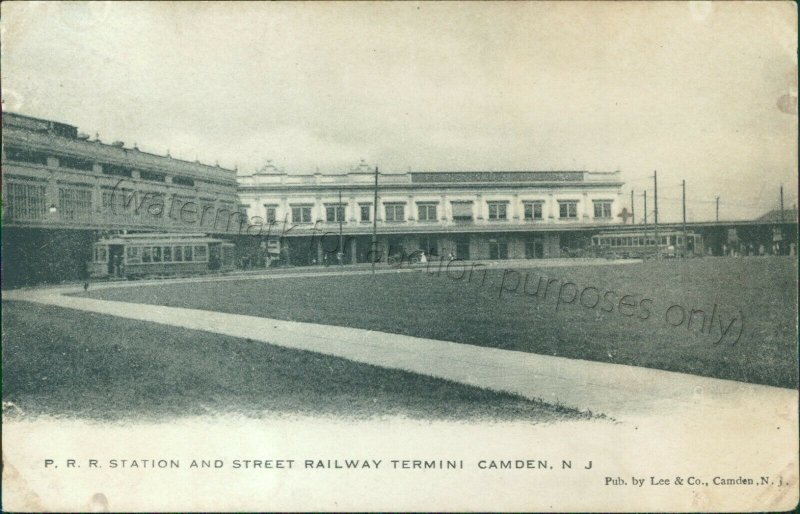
x=375, y=222
x=340, y=215
x=781, y=243
x=633, y=212
x=645, y=207
x=717, y=207
x=685, y=242
x=655, y=214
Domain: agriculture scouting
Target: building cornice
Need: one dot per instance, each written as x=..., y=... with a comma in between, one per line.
x=449, y=187
x=110, y=154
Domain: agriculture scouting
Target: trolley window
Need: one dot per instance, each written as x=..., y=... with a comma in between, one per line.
x=200, y=252
x=146, y=254
x=178, y=253
x=100, y=254
x=167, y=253
x=156, y=254
x=134, y=254
x=187, y=253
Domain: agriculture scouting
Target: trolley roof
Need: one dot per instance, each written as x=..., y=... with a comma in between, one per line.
x=161, y=238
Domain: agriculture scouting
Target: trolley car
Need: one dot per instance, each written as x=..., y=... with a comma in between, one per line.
x=159, y=255
x=642, y=244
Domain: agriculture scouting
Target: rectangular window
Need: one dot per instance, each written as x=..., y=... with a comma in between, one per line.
x=497, y=210
x=74, y=203
x=20, y=155
x=534, y=249
x=395, y=211
x=271, y=213
x=100, y=254
x=166, y=252
x=152, y=175
x=187, y=254
x=426, y=211
x=462, y=211
x=146, y=254
x=75, y=163
x=120, y=202
x=134, y=254
x=301, y=213
x=429, y=246
x=365, y=214
x=25, y=201
x=533, y=210
x=334, y=213
x=602, y=209
x=206, y=212
x=117, y=171
x=178, y=253
x=498, y=250
x=156, y=254
x=200, y=252
x=568, y=209
x=183, y=181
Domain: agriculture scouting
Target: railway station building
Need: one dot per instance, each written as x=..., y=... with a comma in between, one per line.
x=469, y=215
x=63, y=190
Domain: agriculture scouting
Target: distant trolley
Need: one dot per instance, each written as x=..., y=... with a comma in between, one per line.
x=159, y=255
x=642, y=244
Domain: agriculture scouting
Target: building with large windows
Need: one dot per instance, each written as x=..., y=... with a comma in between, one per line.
x=466, y=214
x=63, y=190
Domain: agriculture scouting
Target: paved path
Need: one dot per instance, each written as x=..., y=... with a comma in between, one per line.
x=616, y=390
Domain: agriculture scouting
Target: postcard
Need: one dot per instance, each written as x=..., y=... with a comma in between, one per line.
x=413, y=256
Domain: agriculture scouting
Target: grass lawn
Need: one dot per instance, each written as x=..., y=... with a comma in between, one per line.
x=62, y=362
x=755, y=302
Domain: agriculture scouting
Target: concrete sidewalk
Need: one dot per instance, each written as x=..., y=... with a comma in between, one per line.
x=616, y=390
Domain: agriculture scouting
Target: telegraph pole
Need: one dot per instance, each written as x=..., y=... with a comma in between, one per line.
x=645, y=207
x=685, y=242
x=781, y=229
x=633, y=211
x=340, y=215
x=655, y=214
x=375, y=222
x=717, y=207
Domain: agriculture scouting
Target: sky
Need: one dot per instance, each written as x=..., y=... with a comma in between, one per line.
x=702, y=92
